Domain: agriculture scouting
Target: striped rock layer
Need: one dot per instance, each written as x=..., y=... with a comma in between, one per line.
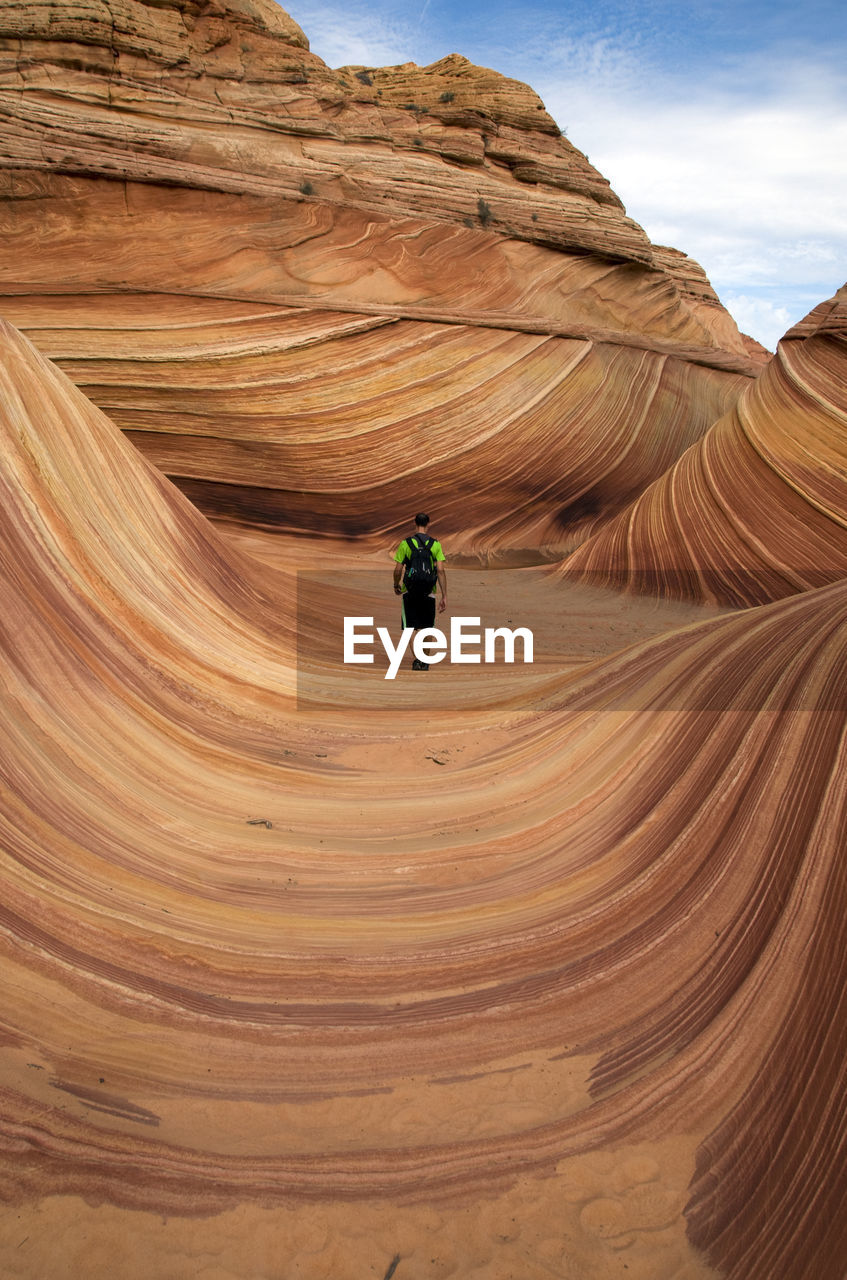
x=241, y=974
x=259, y=266
x=321, y=421
x=757, y=509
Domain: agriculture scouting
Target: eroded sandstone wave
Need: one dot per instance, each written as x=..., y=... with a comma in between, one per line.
x=757, y=510
x=242, y=972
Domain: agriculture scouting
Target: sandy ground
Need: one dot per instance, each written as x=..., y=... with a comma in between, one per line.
x=573, y=626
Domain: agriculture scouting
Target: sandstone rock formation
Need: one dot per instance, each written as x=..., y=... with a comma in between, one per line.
x=563, y=1029
x=337, y=422
x=536, y=974
x=185, y=188
x=757, y=510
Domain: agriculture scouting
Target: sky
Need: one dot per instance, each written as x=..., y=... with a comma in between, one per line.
x=722, y=125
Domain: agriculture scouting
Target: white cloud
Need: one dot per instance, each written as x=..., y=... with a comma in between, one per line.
x=760, y=318
x=354, y=35
x=780, y=168
x=754, y=191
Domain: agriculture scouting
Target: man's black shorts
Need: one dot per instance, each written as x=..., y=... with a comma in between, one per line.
x=418, y=611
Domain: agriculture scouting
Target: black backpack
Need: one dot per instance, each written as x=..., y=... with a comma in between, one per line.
x=421, y=575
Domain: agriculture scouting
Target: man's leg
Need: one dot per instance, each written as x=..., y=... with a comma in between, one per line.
x=430, y=622
x=417, y=665
x=420, y=616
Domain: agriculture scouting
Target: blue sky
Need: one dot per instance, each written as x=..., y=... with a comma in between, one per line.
x=722, y=126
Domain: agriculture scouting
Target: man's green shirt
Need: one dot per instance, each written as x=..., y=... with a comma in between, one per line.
x=404, y=553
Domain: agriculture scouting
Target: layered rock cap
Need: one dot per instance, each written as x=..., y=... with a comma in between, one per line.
x=228, y=97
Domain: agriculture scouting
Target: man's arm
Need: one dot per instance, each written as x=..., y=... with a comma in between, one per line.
x=400, y=556
x=442, y=583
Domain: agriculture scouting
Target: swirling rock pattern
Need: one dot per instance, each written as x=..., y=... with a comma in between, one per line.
x=184, y=189
x=322, y=421
x=554, y=1013
x=757, y=510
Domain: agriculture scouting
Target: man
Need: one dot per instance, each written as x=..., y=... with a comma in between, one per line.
x=416, y=590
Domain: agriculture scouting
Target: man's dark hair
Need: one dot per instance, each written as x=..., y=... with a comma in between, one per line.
x=422, y=518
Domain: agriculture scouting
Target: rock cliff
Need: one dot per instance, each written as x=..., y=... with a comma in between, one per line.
x=228, y=98
x=184, y=186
